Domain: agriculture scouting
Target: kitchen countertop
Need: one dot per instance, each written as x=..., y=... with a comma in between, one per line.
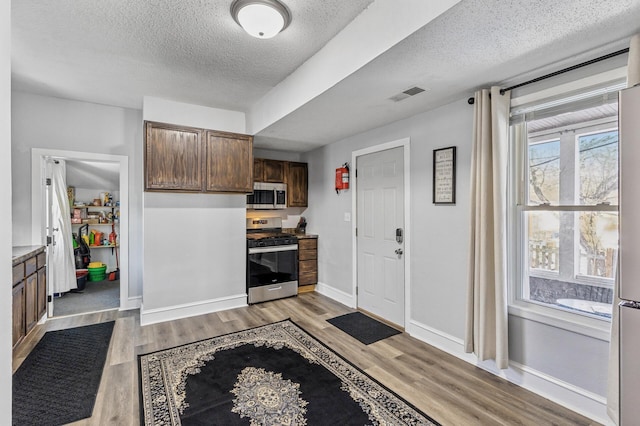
x=303, y=236
x=22, y=253
x=299, y=235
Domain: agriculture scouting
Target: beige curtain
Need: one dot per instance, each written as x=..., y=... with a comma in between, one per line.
x=486, y=332
x=613, y=384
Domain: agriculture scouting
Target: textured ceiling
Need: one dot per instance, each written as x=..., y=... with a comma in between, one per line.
x=117, y=51
x=474, y=44
x=114, y=52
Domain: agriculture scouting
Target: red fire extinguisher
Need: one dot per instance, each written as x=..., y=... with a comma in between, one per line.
x=342, y=178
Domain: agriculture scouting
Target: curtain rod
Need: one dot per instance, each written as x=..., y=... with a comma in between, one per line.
x=472, y=100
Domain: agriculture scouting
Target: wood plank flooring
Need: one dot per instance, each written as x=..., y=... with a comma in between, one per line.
x=448, y=389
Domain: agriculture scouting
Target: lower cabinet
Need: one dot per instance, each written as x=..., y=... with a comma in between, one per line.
x=29, y=291
x=42, y=292
x=31, y=301
x=19, y=329
x=307, y=263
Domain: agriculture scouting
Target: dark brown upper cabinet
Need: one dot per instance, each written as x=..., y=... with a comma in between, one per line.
x=229, y=162
x=269, y=170
x=297, y=184
x=173, y=157
x=258, y=169
x=186, y=159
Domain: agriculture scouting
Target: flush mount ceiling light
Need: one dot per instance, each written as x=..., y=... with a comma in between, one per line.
x=261, y=18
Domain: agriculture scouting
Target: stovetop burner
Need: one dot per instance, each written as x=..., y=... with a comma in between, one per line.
x=267, y=235
x=267, y=232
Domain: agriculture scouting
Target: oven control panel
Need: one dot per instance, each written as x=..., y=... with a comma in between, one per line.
x=269, y=242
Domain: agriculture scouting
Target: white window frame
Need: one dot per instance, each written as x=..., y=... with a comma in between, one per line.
x=597, y=327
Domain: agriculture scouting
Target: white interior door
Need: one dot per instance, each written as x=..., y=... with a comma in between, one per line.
x=48, y=194
x=380, y=234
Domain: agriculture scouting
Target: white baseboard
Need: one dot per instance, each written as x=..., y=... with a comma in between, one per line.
x=337, y=295
x=169, y=313
x=570, y=396
x=131, y=303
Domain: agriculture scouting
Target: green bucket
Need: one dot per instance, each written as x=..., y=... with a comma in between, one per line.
x=98, y=274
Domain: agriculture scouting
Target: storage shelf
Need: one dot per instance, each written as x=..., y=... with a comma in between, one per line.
x=95, y=207
x=109, y=246
x=96, y=224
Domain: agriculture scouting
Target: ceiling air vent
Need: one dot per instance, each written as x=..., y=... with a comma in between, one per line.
x=407, y=93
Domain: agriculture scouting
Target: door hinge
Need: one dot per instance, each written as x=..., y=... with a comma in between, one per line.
x=48, y=182
x=356, y=173
x=356, y=232
x=356, y=291
x=49, y=240
x=49, y=298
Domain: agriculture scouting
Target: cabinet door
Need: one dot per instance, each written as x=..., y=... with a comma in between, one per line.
x=228, y=162
x=173, y=158
x=297, y=185
x=258, y=170
x=308, y=272
x=42, y=292
x=31, y=301
x=274, y=171
x=19, y=330
x=18, y=273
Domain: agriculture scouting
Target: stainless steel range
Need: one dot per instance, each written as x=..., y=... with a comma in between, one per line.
x=272, y=261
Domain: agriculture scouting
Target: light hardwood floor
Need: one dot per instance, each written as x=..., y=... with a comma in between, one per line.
x=450, y=390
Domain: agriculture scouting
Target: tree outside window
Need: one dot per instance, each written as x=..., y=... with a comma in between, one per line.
x=570, y=215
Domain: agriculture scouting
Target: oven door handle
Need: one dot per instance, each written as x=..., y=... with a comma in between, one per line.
x=271, y=249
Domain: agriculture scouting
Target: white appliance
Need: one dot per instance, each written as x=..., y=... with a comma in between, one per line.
x=629, y=290
x=268, y=196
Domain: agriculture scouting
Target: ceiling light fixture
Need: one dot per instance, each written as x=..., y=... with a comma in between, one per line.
x=261, y=18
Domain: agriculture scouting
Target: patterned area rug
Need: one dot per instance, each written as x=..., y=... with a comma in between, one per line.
x=58, y=382
x=275, y=374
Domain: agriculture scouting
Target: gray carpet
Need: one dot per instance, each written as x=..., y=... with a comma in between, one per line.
x=97, y=296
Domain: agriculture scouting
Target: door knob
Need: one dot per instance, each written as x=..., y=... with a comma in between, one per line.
x=399, y=252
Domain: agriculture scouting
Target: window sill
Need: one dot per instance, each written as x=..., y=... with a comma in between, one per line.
x=570, y=321
x=577, y=279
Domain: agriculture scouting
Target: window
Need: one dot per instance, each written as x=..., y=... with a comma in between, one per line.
x=564, y=201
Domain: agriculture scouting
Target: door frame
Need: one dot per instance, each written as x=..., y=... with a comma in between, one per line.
x=405, y=143
x=38, y=220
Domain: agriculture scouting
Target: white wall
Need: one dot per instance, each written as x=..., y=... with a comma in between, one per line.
x=194, y=244
x=5, y=211
x=58, y=124
x=194, y=249
x=166, y=111
x=276, y=155
x=439, y=240
x=439, y=247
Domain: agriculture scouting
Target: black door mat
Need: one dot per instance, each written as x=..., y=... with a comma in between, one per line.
x=364, y=328
x=58, y=381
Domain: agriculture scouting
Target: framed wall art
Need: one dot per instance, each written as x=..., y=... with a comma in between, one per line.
x=444, y=175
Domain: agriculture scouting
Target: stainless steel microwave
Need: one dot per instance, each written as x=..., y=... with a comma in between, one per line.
x=268, y=196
